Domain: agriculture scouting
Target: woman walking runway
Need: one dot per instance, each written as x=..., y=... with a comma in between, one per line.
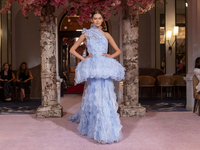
x=97, y=115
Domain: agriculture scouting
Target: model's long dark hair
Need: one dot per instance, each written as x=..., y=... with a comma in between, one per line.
x=196, y=63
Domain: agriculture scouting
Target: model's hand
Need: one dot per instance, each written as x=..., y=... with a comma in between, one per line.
x=25, y=81
x=18, y=80
x=106, y=55
x=89, y=56
x=5, y=80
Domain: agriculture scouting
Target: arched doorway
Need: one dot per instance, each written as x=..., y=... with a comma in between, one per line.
x=69, y=31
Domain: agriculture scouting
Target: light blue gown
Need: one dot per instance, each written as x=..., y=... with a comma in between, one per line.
x=97, y=115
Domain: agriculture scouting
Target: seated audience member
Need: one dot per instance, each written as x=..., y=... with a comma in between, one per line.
x=6, y=79
x=197, y=72
x=23, y=76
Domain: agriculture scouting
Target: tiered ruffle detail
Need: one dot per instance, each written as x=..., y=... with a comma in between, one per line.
x=97, y=116
x=99, y=67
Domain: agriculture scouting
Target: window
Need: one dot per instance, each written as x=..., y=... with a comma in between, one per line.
x=160, y=37
x=181, y=38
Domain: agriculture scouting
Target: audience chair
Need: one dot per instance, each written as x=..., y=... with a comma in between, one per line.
x=179, y=83
x=166, y=82
x=196, y=95
x=147, y=82
x=1, y=93
x=13, y=96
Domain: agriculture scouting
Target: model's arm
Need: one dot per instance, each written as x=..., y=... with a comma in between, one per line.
x=76, y=45
x=114, y=45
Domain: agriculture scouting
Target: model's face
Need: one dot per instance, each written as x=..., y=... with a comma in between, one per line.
x=23, y=67
x=6, y=66
x=97, y=20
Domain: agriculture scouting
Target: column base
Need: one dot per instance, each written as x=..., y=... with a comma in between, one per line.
x=131, y=111
x=55, y=111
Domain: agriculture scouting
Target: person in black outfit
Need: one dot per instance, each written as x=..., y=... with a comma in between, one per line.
x=23, y=76
x=6, y=78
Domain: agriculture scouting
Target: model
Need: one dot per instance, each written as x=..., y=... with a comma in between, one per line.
x=97, y=115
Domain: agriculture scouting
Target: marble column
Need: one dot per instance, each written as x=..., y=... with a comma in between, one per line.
x=130, y=37
x=193, y=47
x=49, y=106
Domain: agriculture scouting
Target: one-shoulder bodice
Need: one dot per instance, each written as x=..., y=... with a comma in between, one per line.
x=96, y=40
x=98, y=66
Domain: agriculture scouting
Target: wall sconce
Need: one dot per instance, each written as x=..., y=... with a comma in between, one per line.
x=186, y=4
x=169, y=35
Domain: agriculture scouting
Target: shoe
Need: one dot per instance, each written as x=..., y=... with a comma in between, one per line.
x=100, y=142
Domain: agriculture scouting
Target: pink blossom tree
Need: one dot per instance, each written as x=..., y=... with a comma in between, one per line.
x=45, y=9
x=81, y=7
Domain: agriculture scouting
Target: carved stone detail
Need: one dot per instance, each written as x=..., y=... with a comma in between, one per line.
x=50, y=106
x=130, y=38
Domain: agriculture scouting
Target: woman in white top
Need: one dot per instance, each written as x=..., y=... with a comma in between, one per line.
x=197, y=72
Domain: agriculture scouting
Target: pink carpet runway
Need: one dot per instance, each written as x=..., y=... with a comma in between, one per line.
x=156, y=131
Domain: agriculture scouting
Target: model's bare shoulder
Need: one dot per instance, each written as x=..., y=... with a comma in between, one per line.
x=107, y=35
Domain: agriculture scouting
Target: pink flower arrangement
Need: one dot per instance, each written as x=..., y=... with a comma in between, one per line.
x=81, y=7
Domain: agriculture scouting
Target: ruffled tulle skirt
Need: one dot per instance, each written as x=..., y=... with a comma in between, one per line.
x=97, y=115
x=99, y=67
